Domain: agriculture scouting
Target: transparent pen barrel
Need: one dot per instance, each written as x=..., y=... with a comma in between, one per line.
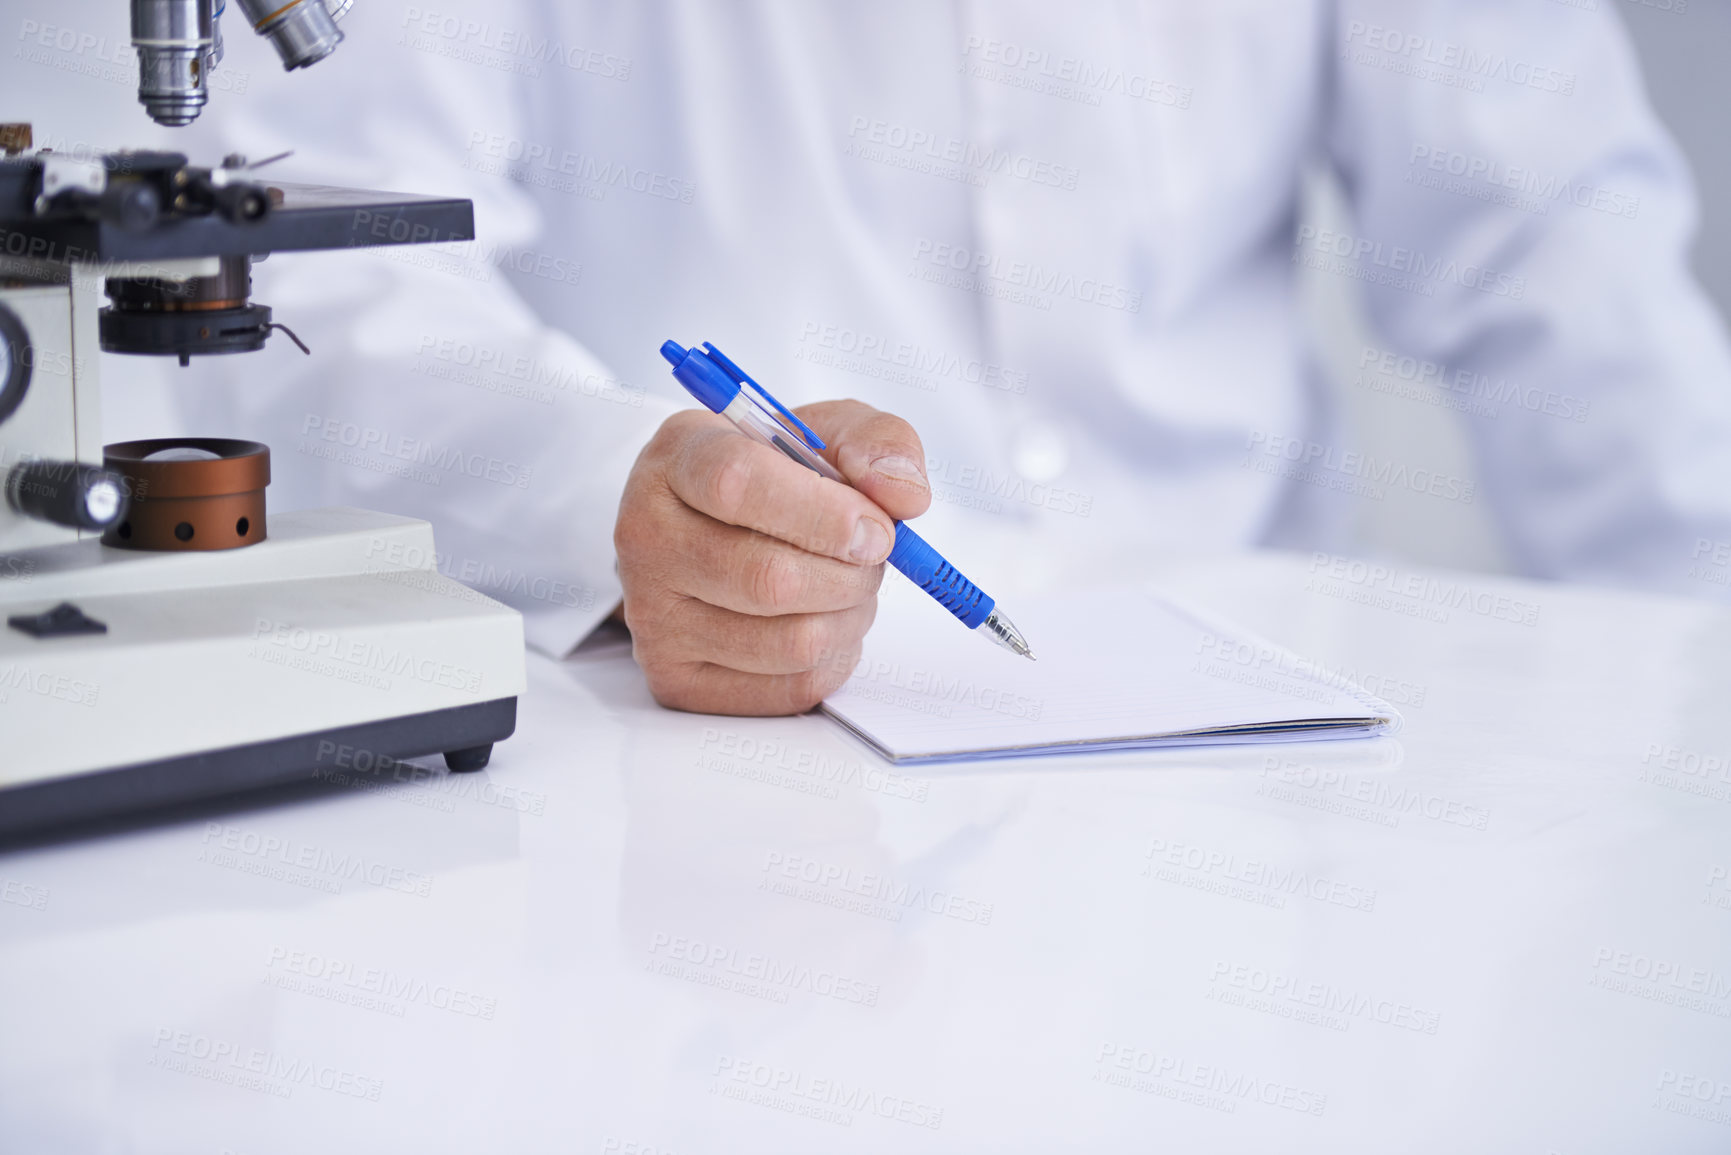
x=911, y=555
x=760, y=423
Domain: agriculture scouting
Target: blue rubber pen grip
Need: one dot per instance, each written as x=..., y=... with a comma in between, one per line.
x=926, y=568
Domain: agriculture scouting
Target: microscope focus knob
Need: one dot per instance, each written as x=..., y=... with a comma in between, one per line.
x=67, y=493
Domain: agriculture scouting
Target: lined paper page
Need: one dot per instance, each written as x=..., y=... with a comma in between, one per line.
x=1117, y=668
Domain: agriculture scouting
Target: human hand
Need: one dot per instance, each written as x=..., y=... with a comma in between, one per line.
x=750, y=581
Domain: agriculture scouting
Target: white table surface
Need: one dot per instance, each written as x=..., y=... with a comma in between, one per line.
x=1507, y=929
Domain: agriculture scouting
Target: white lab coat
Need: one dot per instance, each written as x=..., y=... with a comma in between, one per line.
x=1058, y=238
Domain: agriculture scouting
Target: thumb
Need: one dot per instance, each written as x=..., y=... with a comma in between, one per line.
x=878, y=452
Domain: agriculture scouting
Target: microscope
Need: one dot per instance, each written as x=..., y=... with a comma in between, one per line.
x=165, y=641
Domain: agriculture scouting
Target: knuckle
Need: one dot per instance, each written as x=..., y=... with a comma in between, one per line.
x=837, y=664
x=832, y=677
x=777, y=581
x=673, y=686
x=642, y=522
x=813, y=686
x=645, y=558
x=862, y=582
x=667, y=694
x=828, y=527
x=805, y=698
x=857, y=412
x=631, y=535
x=807, y=643
x=727, y=485
x=643, y=618
x=830, y=644
x=665, y=445
x=678, y=427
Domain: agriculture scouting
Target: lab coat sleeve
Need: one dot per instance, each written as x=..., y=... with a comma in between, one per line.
x=1522, y=226
x=433, y=390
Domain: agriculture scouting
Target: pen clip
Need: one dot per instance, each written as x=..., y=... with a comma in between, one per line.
x=738, y=375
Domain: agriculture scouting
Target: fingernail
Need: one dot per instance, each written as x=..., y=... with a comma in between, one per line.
x=900, y=468
x=870, y=542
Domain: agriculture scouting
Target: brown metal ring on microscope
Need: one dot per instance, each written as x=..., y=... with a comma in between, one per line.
x=190, y=505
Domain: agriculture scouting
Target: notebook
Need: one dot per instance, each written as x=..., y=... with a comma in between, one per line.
x=1117, y=669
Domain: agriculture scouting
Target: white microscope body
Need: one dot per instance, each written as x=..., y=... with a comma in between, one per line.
x=164, y=639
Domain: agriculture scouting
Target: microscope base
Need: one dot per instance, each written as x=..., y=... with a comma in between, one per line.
x=329, y=649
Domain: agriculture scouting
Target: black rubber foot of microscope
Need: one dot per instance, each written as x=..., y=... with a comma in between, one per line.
x=466, y=760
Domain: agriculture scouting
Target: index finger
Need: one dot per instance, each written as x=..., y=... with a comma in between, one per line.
x=721, y=472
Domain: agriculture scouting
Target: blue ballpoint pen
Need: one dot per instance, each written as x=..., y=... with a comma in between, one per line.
x=722, y=386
